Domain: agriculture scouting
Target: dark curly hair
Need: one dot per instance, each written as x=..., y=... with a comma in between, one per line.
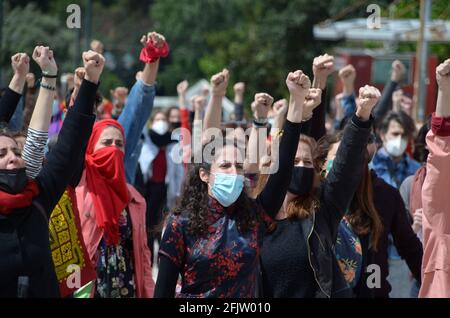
x=194, y=203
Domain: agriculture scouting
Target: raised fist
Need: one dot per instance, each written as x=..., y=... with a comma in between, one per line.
x=198, y=103
x=97, y=46
x=239, y=88
x=398, y=71
x=262, y=105
x=79, y=76
x=182, y=87
x=43, y=56
x=219, y=83
x=280, y=107
x=93, y=65
x=347, y=74
x=20, y=63
x=368, y=98
x=312, y=100
x=298, y=84
x=323, y=66
x=156, y=38
x=443, y=76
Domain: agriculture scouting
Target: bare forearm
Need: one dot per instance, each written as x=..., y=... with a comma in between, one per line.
x=213, y=112
x=40, y=120
x=150, y=72
x=17, y=83
x=443, y=104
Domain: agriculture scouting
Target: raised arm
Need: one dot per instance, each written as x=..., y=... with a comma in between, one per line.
x=323, y=66
x=347, y=76
x=20, y=63
x=139, y=104
x=272, y=196
x=213, y=116
x=182, y=103
x=436, y=209
x=258, y=135
x=33, y=152
x=344, y=176
x=58, y=171
x=385, y=103
x=239, y=89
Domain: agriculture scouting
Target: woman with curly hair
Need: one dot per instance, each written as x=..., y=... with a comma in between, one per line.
x=214, y=236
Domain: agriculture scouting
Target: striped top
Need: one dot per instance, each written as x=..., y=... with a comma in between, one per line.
x=33, y=151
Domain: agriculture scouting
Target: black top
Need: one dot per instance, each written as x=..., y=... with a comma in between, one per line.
x=394, y=217
x=24, y=236
x=270, y=200
x=285, y=265
x=8, y=104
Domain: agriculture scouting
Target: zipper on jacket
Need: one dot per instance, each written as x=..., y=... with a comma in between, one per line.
x=309, y=256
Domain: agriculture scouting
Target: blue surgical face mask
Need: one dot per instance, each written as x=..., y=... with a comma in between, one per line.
x=227, y=188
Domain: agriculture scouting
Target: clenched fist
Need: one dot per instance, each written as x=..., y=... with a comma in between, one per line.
x=347, y=74
x=368, y=98
x=219, y=83
x=443, y=76
x=262, y=105
x=398, y=71
x=182, y=87
x=298, y=84
x=312, y=100
x=323, y=66
x=93, y=65
x=20, y=63
x=43, y=56
x=156, y=38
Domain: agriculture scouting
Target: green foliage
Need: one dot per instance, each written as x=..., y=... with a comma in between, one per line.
x=259, y=41
x=26, y=27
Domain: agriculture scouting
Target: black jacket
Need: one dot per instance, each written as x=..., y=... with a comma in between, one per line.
x=335, y=196
x=8, y=104
x=390, y=207
x=24, y=236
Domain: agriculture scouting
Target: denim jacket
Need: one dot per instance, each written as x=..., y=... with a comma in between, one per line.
x=393, y=173
x=136, y=112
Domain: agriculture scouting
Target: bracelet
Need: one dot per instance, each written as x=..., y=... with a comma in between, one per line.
x=260, y=124
x=47, y=75
x=52, y=88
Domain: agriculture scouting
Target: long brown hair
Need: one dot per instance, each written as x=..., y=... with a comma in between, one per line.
x=362, y=216
x=302, y=206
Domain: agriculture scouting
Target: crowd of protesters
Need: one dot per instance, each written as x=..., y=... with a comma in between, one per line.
x=295, y=198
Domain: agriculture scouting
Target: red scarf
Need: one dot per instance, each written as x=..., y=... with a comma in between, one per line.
x=105, y=179
x=10, y=202
x=150, y=53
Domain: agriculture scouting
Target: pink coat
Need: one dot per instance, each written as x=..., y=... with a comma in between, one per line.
x=436, y=219
x=92, y=235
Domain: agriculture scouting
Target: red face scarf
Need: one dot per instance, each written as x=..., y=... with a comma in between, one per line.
x=10, y=202
x=105, y=178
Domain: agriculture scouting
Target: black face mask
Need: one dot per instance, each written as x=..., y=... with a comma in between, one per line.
x=302, y=181
x=13, y=181
x=174, y=126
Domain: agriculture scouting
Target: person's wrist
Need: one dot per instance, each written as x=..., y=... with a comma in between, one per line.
x=363, y=114
x=49, y=81
x=218, y=94
x=93, y=79
x=307, y=115
x=319, y=82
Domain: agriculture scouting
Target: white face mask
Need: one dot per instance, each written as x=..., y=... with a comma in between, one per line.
x=160, y=127
x=396, y=146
